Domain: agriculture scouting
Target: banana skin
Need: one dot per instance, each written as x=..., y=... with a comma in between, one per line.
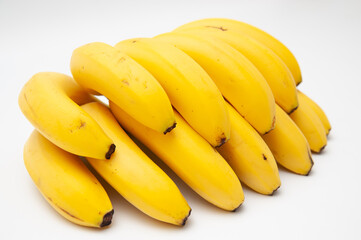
x=255, y=33
x=66, y=183
x=192, y=158
x=136, y=177
x=189, y=88
x=236, y=77
x=50, y=101
x=101, y=68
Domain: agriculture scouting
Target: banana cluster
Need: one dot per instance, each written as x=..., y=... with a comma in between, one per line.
x=215, y=99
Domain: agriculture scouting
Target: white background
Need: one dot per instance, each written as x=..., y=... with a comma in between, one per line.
x=325, y=37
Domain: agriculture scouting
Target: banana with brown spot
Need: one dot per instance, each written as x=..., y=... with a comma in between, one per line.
x=249, y=156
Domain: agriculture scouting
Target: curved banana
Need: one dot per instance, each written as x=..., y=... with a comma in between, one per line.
x=190, y=90
x=317, y=109
x=267, y=62
x=66, y=183
x=288, y=145
x=311, y=126
x=246, y=29
x=236, y=77
x=249, y=156
x=191, y=158
x=50, y=102
x=137, y=178
x=101, y=68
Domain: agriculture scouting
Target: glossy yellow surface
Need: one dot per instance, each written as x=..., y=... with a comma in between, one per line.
x=137, y=178
x=249, y=156
x=311, y=125
x=236, y=77
x=50, y=102
x=246, y=29
x=189, y=88
x=317, y=109
x=66, y=183
x=101, y=68
x=191, y=157
x=288, y=145
x=273, y=69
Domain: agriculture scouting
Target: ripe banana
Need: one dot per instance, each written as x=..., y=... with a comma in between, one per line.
x=103, y=69
x=66, y=183
x=191, y=91
x=317, y=109
x=191, y=158
x=137, y=178
x=257, y=34
x=236, y=77
x=267, y=62
x=311, y=126
x=288, y=145
x=49, y=101
x=249, y=156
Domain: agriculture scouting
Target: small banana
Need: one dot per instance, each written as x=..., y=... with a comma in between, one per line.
x=317, y=109
x=267, y=62
x=249, y=156
x=50, y=102
x=66, y=183
x=236, y=77
x=101, y=68
x=311, y=126
x=137, y=178
x=246, y=29
x=190, y=156
x=288, y=145
x=190, y=90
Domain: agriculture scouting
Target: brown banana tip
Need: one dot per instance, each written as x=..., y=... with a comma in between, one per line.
x=272, y=127
x=329, y=130
x=294, y=109
x=320, y=150
x=170, y=128
x=223, y=141
x=310, y=157
x=110, y=151
x=186, y=218
x=235, y=210
x=308, y=173
x=107, y=219
x=271, y=194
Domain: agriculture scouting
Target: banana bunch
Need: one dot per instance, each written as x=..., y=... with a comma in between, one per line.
x=215, y=100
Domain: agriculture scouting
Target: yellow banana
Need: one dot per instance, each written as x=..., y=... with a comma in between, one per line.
x=249, y=156
x=317, y=109
x=191, y=91
x=66, y=183
x=137, y=178
x=311, y=126
x=246, y=29
x=49, y=101
x=267, y=62
x=103, y=69
x=288, y=145
x=236, y=77
x=191, y=158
